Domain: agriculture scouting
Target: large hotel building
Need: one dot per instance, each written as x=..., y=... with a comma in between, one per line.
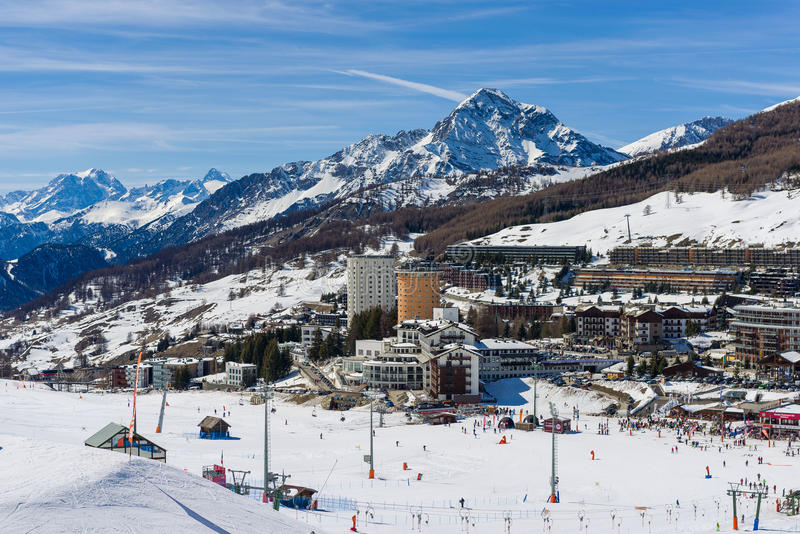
x=370, y=283
x=763, y=331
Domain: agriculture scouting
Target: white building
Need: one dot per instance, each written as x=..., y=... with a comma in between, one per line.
x=369, y=348
x=506, y=358
x=371, y=283
x=240, y=374
x=309, y=331
x=145, y=375
x=404, y=362
x=403, y=366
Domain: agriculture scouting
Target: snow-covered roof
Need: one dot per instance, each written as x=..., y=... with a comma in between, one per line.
x=790, y=409
x=502, y=344
x=616, y=368
x=791, y=356
x=692, y=408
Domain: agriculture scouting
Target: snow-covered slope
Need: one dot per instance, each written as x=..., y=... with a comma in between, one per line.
x=89, y=490
x=779, y=104
x=635, y=475
x=683, y=135
x=770, y=218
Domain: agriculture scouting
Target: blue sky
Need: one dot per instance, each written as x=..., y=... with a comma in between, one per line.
x=155, y=89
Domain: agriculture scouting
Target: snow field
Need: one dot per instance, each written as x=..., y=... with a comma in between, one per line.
x=769, y=218
x=493, y=479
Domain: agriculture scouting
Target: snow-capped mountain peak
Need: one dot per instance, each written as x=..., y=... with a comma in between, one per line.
x=214, y=179
x=486, y=131
x=65, y=194
x=489, y=130
x=682, y=135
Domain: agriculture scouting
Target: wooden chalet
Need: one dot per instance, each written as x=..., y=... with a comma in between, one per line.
x=214, y=428
x=691, y=369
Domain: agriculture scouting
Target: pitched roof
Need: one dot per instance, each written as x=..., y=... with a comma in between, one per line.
x=104, y=434
x=210, y=420
x=791, y=356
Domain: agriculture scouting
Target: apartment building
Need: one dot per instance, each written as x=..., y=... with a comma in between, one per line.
x=402, y=366
x=507, y=358
x=145, y=375
x=704, y=256
x=371, y=283
x=240, y=375
x=309, y=331
x=404, y=362
x=551, y=255
x=598, y=322
x=764, y=330
x=164, y=370
x=417, y=294
x=474, y=279
x=687, y=280
x=641, y=327
x=775, y=281
x=454, y=374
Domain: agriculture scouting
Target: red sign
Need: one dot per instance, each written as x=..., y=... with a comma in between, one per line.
x=779, y=415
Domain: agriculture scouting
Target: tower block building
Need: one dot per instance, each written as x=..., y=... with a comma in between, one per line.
x=417, y=294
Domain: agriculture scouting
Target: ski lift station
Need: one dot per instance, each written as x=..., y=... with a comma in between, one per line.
x=114, y=437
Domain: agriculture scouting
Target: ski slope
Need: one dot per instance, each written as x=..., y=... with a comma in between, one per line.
x=769, y=218
x=47, y=472
x=64, y=487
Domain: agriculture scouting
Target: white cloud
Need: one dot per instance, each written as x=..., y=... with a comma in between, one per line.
x=127, y=136
x=89, y=14
x=780, y=89
x=421, y=87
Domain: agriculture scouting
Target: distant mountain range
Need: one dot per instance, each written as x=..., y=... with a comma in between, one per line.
x=683, y=135
x=94, y=208
x=489, y=146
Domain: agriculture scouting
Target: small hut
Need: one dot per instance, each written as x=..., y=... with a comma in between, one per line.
x=214, y=428
x=441, y=418
x=562, y=424
x=114, y=437
x=528, y=424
